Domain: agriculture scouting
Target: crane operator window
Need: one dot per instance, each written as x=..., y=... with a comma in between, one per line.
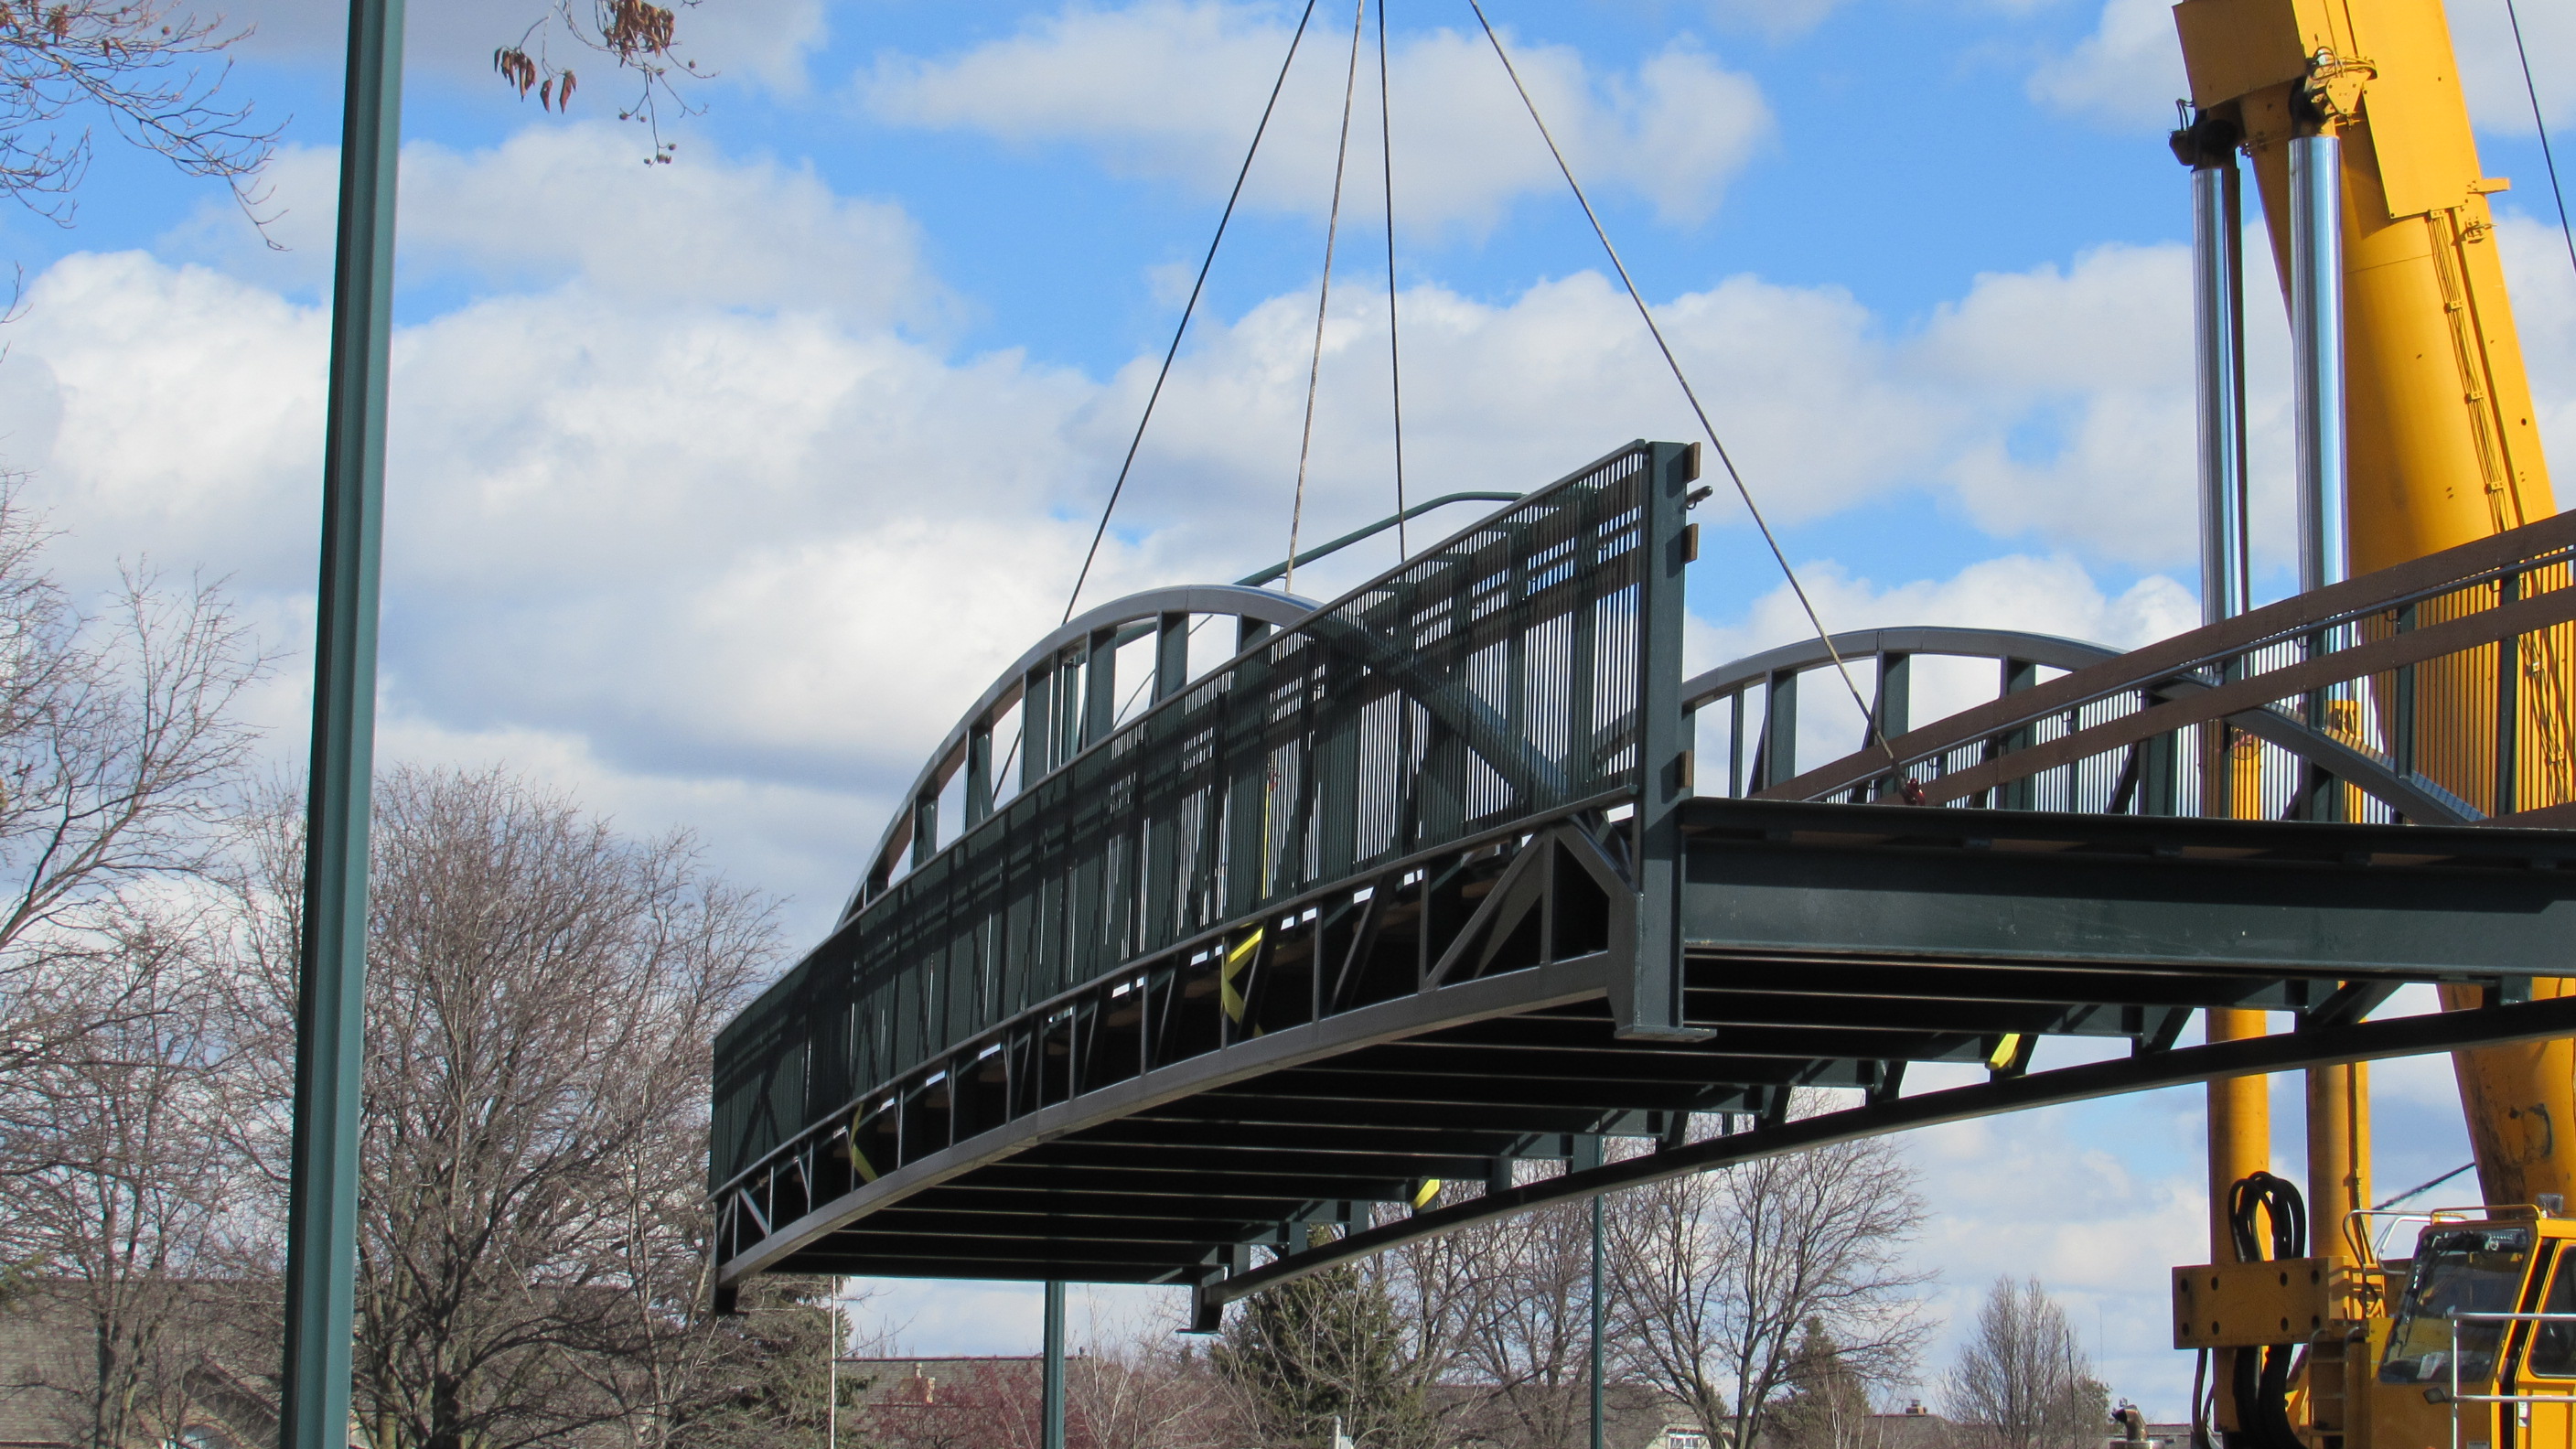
x=2457, y=1270
x=2553, y=1343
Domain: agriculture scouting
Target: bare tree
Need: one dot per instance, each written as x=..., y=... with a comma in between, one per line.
x=152, y=70
x=118, y=754
x=1530, y=1345
x=637, y=37
x=1721, y=1274
x=541, y=998
x=120, y=1206
x=1148, y=1390
x=2023, y=1381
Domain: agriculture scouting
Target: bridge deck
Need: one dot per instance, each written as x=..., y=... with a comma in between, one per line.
x=1825, y=945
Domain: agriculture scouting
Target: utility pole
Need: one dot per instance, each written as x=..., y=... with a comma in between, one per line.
x=331, y=965
x=832, y=1376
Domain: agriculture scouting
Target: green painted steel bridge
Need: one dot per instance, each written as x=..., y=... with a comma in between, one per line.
x=1460, y=870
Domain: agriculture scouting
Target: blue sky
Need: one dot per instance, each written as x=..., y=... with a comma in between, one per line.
x=717, y=489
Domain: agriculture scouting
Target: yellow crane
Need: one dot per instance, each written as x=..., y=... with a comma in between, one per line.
x=2416, y=433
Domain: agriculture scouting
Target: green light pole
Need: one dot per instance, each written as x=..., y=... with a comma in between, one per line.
x=1051, y=1374
x=331, y=984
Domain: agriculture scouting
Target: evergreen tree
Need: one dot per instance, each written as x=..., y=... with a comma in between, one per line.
x=1332, y=1344
x=1827, y=1403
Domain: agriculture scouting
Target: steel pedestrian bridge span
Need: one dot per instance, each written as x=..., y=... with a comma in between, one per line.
x=1459, y=870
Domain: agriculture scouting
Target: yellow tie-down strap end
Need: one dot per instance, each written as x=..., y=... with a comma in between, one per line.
x=1238, y=959
x=859, y=1163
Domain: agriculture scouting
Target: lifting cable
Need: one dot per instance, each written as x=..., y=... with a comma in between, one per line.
x=2537, y=124
x=1868, y=716
x=1187, y=309
x=1323, y=299
x=1394, y=352
x=2421, y=1188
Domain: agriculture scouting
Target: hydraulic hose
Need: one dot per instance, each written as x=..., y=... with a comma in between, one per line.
x=2261, y=1381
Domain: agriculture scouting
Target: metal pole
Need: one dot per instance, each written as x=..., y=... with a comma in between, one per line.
x=1596, y=1322
x=2218, y=296
x=2316, y=353
x=832, y=1376
x=2316, y=344
x=322, y=1193
x=1051, y=1387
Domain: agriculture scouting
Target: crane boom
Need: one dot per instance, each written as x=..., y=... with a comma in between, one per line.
x=2442, y=443
x=2439, y=447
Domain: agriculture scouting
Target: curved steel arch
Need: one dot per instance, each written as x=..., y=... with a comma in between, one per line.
x=2413, y=796
x=1255, y=605
x=1247, y=600
x=2048, y=650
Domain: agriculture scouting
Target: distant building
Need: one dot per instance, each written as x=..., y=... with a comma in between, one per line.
x=45, y=1363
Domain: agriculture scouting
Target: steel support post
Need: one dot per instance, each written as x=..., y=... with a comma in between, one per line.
x=1778, y=756
x=1051, y=1383
x=1653, y=1005
x=1171, y=655
x=979, y=774
x=1037, y=724
x=322, y=1193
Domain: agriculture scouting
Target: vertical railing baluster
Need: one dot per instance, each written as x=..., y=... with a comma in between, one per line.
x=2508, y=722
x=1893, y=712
x=1735, y=745
x=1778, y=760
x=2402, y=721
x=2018, y=675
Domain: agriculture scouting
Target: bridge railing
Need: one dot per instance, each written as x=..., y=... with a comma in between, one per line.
x=2440, y=690
x=1492, y=682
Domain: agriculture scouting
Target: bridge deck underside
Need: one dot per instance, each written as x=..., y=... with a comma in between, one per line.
x=1828, y=946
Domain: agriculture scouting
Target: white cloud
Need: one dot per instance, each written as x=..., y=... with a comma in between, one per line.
x=2482, y=38
x=2126, y=74
x=683, y=539
x=2017, y=592
x=2054, y=404
x=2081, y=380
x=556, y=202
x=696, y=542
x=2043, y=595
x=2542, y=281
x=1172, y=89
x=2097, y=1201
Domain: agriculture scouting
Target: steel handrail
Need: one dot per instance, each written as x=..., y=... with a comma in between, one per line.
x=2452, y=1362
x=2206, y=651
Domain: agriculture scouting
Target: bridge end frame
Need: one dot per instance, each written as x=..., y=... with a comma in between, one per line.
x=1647, y=1003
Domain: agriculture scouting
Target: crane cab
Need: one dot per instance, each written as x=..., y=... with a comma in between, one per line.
x=2480, y=1346
x=2469, y=1343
